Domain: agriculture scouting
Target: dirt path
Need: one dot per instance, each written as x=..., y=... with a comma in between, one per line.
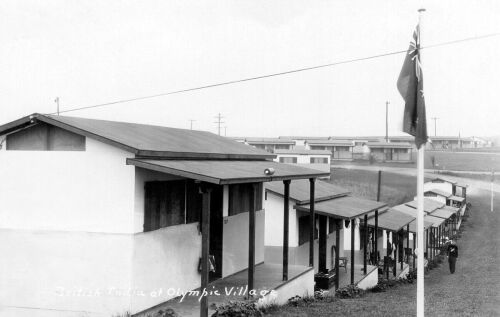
x=474, y=289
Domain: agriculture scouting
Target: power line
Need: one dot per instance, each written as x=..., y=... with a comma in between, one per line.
x=348, y=61
x=219, y=121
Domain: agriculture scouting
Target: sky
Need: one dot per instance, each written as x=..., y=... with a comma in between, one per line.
x=93, y=52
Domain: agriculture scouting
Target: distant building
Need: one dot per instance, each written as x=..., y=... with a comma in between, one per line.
x=340, y=149
x=317, y=159
x=390, y=152
x=271, y=144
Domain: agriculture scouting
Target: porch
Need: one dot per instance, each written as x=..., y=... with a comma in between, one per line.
x=267, y=277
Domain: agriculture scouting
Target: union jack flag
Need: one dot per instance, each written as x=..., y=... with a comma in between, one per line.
x=411, y=87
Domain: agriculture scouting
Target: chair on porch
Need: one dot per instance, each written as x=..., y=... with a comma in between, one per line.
x=343, y=261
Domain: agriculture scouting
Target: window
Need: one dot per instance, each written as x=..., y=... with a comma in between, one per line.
x=170, y=203
x=288, y=159
x=319, y=160
x=241, y=197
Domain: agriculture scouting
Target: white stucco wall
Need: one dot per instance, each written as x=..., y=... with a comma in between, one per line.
x=370, y=280
x=347, y=235
x=165, y=259
x=274, y=222
x=305, y=161
x=446, y=187
x=62, y=273
x=235, y=242
x=90, y=190
x=302, y=285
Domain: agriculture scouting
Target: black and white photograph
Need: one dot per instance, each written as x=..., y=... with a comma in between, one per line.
x=249, y=158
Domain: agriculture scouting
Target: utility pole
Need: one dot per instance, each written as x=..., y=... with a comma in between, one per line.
x=191, y=120
x=219, y=122
x=435, y=124
x=225, y=131
x=387, y=121
x=57, y=103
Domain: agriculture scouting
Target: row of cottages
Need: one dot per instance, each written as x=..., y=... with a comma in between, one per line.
x=339, y=149
x=450, y=143
x=349, y=233
x=101, y=217
x=271, y=144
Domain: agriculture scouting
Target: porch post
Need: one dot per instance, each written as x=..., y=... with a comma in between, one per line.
x=402, y=251
x=322, y=245
x=312, y=224
x=375, y=237
x=286, y=183
x=388, y=254
x=337, y=252
x=251, y=238
x=365, y=244
x=352, y=250
x=414, y=245
x=205, y=243
x=427, y=243
x=408, y=242
x=395, y=241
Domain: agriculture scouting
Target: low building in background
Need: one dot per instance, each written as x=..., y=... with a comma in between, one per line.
x=317, y=159
x=391, y=152
x=340, y=149
x=270, y=144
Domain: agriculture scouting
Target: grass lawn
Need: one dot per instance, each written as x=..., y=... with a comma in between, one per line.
x=396, y=189
x=474, y=289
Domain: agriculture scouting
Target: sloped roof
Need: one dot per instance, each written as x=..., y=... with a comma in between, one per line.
x=442, y=213
x=439, y=192
x=397, y=145
x=269, y=141
x=329, y=142
x=435, y=221
x=442, y=180
x=148, y=140
x=392, y=220
x=429, y=204
x=346, y=207
x=299, y=190
x=227, y=171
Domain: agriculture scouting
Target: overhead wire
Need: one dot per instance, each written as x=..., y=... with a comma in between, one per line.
x=231, y=82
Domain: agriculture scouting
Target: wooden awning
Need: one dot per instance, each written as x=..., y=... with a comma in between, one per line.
x=436, y=221
x=442, y=213
x=346, y=207
x=429, y=204
x=457, y=198
x=227, y=171
x=299, y=190
x=391, y=220
x=413, y=225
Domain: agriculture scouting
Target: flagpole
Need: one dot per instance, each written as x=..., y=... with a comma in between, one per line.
x=420, y=211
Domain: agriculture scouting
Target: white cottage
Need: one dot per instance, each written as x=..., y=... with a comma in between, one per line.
x=101, y=217
x=338, y=237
